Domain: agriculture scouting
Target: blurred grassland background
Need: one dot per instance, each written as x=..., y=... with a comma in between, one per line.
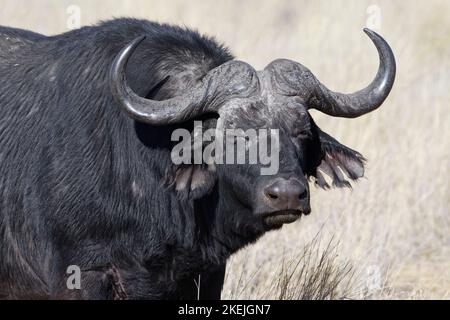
x=389, y=237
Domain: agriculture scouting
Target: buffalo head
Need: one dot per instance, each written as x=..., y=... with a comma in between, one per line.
x=277, y=97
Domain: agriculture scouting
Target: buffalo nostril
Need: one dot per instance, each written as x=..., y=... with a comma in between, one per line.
x=272, y=196
x=272, y=192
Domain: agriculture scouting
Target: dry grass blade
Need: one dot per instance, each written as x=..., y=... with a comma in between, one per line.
x=315, y=274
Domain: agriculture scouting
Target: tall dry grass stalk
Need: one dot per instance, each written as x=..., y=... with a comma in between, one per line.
x=394, y=226
x=312, y=274
x=313, y=282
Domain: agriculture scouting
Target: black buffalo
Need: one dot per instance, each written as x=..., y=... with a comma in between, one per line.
x=86, y=176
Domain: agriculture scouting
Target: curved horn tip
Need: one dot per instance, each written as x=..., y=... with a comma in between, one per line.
x=136, y=42
x=384, y=50
x=130, y=47
x=372, y=34
x=139, y=39
x=122, y=58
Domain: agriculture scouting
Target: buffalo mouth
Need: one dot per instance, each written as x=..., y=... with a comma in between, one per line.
x=278, y=218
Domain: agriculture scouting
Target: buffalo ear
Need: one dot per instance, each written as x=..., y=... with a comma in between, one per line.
x=336, y=161
x=193, y=181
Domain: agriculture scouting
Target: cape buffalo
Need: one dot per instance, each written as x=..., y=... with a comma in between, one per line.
x=87, y=178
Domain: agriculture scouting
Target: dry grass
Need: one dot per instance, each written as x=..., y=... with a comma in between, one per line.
x=313, y=274
x=394, y=226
